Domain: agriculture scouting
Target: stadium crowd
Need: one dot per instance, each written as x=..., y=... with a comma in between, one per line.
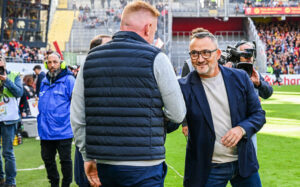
x=282, y=45
x=93, y=19
x=271, y=3
x=242, y=5
x=14, y=51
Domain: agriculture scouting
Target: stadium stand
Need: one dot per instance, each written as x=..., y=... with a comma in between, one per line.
x=75, y=23
x=60, y=28
x=62, y=4
x=282, y=42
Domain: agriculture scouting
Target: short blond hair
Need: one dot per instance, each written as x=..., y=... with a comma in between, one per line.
x=136, y=6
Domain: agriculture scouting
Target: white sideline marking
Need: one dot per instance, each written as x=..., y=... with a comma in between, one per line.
x=289, y=93
x=174, y=170
x=280, y=128
x=30, y=169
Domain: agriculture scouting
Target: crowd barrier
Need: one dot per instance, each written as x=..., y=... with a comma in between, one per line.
x=24, y=68
x=293, y=79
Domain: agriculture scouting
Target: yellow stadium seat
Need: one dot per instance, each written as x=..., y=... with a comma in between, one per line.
x=63, y=4
x=60, y=28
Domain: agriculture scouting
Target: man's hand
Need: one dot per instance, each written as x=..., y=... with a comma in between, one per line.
x=185, y=130
x=3, y=77
x=24, y=115
x=232, y=137
x=228, y=64
x=90, y=168
x=255, y=78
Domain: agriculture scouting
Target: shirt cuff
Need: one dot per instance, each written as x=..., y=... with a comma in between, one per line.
x=243, y=130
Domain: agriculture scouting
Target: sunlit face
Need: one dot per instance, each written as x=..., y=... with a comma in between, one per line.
x=243, y=48
x=206, y=67
x=53, y=63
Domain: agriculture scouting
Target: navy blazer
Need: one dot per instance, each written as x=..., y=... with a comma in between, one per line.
x=245, y=111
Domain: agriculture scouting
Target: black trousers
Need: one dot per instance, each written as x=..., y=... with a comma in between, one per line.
x=48, y=152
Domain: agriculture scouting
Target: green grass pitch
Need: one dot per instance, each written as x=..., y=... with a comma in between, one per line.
x=278, y=147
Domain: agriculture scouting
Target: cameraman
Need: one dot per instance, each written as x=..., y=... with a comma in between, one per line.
x=10, y=89
x=262, y=88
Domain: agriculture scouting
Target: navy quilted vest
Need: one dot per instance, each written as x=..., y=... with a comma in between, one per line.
x=123, y=105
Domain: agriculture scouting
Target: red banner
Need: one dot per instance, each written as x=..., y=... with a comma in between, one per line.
x=285, y=79
x=272, y=10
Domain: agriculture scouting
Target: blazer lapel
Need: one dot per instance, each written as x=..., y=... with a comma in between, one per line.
x=231, y=92
x=199, y=92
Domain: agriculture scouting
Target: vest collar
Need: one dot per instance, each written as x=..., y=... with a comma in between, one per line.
x=130, y=34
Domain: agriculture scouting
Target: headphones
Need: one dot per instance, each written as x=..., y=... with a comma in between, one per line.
x=62, y=63
x=252, y=44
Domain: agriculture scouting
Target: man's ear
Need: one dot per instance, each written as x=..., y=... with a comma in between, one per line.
x=219, y=52
x=147, y=29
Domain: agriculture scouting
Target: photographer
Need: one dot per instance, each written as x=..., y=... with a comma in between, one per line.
x=263, y=88
x=10, y=89
x=243, y=57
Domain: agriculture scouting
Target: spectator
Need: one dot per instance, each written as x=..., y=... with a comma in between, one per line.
x=277, y=73
x=123, y=3
x=54, y=126
x=28, y=87
x=93, y=4
x=40, y=75
x=10, y=89
x=130, y=56
x=74, y=7
x=297, y=68
x=270, y=69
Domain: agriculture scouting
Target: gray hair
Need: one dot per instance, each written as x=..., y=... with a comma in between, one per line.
x=201, y=35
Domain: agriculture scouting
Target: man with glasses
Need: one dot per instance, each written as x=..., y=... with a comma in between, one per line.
x=223, y=112
x=186, y=69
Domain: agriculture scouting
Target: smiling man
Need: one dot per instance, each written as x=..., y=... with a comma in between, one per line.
x=223, y=112
x=54, y=125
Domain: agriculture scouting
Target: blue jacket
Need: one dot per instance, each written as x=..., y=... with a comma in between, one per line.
x=245, y=111
x=264, y=90
x=54, y=107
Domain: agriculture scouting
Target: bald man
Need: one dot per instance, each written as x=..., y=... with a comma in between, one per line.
x=120, y=101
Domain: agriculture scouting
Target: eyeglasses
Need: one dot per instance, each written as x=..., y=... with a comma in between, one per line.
x=204, y=53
